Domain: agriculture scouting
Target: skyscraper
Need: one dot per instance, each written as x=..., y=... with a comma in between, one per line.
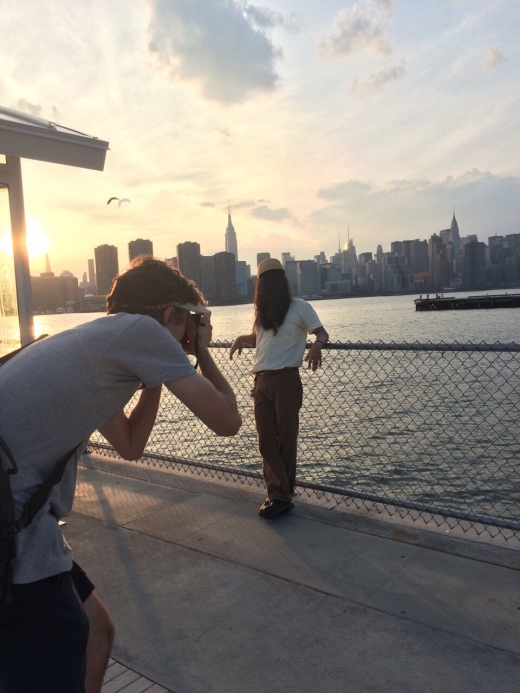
x=140, y=246
x=208, y=280
x=225, y=277
x=188, y=256
x=454, y=234
x=260, y=257
x=231, y=238
x=242, y=274
x=91, y=273
x=107, y=266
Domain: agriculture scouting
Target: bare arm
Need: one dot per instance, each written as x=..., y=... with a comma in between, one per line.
x=313, y=356
x=128, y=435
x=239, y=343
x=209, y=396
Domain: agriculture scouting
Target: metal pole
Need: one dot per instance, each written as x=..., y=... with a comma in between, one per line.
x=21, y=257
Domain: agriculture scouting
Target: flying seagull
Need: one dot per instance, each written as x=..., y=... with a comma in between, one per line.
x=125, y=199
x=112, y=198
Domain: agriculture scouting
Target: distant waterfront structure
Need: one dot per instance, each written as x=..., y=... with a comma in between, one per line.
x=438, y=262
x=287, y=257
x=140, y=246
x=188, y=255
x=291, y=272
x=420, y=263
x=348, y=256
x=225, y=277
x=260, y=257
x=242, y=274
x=231, y=237
x=473, y=264
x=91, y=273
x=107, y=266
x=320, y=259
x=468, y=239
x=208, y=282
x=51, y=293
x=308, y=278
x=395, y=273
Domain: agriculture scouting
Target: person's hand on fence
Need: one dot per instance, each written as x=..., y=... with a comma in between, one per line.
x=313, y=356
x=240, y=343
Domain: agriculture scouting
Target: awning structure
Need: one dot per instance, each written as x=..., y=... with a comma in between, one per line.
x=24, y=136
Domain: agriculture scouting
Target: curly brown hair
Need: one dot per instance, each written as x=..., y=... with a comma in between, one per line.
x=150, y=286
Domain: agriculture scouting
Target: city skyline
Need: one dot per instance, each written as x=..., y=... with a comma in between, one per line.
x=381, y=114
x=123, y=250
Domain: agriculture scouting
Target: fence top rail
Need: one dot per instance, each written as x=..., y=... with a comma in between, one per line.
x=404, y=346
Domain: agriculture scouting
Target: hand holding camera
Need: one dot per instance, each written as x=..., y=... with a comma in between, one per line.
x=198, y=331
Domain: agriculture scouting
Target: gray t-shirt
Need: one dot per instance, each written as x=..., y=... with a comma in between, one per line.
x=53, y=395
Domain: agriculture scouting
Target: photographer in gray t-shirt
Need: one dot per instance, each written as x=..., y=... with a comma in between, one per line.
x=53, y=395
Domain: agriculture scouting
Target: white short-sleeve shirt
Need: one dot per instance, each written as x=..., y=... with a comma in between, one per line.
x=285, y=348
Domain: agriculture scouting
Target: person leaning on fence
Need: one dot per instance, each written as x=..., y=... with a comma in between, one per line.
x=281, y=326
x=55, y=633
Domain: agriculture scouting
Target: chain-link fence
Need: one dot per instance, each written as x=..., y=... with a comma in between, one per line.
x=428, y=431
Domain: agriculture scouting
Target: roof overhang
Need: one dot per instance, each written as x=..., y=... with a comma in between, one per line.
x=28, y=137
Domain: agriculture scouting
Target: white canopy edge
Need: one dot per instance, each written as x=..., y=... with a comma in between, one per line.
x=30, y=137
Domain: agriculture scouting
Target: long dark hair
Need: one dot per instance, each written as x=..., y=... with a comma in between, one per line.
x=272, y=299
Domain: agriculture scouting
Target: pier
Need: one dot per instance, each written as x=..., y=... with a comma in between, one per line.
x=209, y=598
x=441, y=302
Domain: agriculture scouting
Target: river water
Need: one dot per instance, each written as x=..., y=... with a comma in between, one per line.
x=441, y=429
x=387, y=319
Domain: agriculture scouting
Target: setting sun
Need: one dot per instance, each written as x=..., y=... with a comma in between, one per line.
x=37, y=240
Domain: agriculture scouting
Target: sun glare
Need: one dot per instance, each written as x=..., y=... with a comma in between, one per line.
x=37, y=240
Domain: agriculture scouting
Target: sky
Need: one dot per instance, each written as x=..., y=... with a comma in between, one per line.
x=311, y=118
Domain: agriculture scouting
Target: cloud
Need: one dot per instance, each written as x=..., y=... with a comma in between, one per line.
x=242, y=204
x=27, y=107
x=401, y=209
x=342, y=191
x=377, y=80
x=494, y=58
x=35, y=109
x=361, y=28
x=263, y=212
x=216, y=45
x=266, y=18
x=207, y=204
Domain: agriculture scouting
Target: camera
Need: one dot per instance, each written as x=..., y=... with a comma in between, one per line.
x=189, y=339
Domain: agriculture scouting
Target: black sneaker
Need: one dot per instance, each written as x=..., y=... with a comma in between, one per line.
x=275, y=508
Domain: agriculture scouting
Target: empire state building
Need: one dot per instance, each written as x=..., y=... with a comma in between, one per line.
x=231, y=238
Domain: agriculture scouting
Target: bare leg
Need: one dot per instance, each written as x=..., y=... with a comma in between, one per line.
x=100, y=641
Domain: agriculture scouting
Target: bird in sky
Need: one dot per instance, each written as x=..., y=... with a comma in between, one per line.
x=112, y=198
x=125, y=199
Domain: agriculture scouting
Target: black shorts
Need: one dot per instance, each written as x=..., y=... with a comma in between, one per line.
x=43, y=635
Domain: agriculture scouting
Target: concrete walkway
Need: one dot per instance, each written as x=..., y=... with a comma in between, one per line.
x=208, y=597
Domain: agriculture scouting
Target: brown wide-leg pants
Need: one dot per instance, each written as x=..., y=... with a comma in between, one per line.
x=278, y=399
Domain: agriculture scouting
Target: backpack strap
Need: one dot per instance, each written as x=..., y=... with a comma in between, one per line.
x=38, y=499
x=7, y=525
